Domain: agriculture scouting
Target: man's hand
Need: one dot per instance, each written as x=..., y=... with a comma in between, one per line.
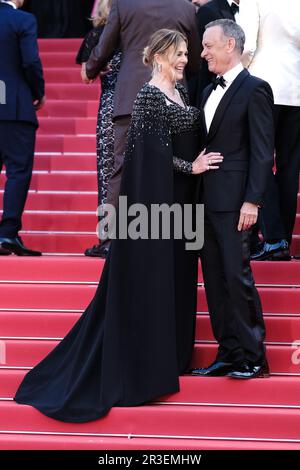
x=105, y=71
x=39, y=104
x=248, y=216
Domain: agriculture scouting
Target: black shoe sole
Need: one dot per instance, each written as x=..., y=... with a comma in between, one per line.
x=19, y=252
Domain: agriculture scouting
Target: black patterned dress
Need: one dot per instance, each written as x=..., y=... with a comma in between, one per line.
x=137, y=335
x=104, y=132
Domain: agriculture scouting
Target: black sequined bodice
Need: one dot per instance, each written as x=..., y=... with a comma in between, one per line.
x=181, y=123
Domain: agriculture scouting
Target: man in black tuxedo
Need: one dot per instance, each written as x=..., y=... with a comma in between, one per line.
x=211, y=11
x=22, y=76
x=238, y=122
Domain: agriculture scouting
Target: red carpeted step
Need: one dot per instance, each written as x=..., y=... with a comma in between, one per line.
x=36, y=324
x=202, y=390
x=51, y=268
x=272, y=273
x=58, y=59
x=295, y=248
x=27, y=353
x=54, y=268
x=54, y=45
x=71, y=243
x=40, y=441
x=76, y=108
x=281, y=329
x=67, y=181
x=64, y=163
x=171, y=420
x=65, y=143
x=274, y=300
x=72, y=91
x=279, y=300
x=80, y=201
x=65, y=242
x=53, y=125
x=62, y=222
x=62, y=74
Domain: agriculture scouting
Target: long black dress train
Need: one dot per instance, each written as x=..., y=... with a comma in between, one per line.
x=136, y=336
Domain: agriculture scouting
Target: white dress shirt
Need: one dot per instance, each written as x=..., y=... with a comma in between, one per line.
x=216, y=95
x=12, y=4
x=272, y=29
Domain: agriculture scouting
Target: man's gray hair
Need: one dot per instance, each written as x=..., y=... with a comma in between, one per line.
x=230, y=30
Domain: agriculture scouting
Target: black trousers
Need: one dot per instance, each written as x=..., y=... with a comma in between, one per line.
x=17, y=142
x=233, y=301
x=278, y=214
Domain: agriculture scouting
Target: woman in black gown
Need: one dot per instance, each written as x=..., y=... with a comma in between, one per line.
x=136, y=336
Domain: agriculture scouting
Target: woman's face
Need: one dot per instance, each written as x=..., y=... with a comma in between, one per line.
x=173, y=62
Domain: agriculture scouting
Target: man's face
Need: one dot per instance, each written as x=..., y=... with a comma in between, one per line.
x=19, y=3
x=215, y=50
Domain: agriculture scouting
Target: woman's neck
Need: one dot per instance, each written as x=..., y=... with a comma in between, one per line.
x=164, y=84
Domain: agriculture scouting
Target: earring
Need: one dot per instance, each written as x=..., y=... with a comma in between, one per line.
x=157, y=67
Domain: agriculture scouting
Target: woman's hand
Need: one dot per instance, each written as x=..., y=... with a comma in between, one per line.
x=205, y=162
x=84, y=76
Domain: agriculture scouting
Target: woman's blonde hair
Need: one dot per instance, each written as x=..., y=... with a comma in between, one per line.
x=102, y=12
x=160, y=42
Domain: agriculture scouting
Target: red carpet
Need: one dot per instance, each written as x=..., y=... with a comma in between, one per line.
x=42, y=298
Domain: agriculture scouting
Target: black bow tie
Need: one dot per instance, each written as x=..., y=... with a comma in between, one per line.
x=219, y=81
x=234, y=8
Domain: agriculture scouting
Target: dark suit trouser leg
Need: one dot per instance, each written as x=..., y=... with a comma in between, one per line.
x=121, y=127
x=287, y=143
x=233, y=301
x=17, y=141
x=278, y=214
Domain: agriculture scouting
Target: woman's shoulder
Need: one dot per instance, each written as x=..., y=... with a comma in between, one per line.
x=150, y=98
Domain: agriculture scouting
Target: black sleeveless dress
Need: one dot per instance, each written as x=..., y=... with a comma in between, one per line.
x=137, y=335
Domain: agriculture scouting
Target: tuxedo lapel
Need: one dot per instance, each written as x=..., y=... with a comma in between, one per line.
x=225, y=102
x=225, y=10
x=206, y=92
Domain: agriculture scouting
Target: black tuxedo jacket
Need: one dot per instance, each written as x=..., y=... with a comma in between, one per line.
x=20, y=65
x=211, y=11
x=243, y=131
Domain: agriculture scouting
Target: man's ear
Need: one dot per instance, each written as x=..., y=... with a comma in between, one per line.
x=231, y=44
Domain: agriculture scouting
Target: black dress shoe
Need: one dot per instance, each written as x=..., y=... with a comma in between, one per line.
x=16, y=245
x=4, y=251
x=216, y=369
x=97, y=251
x=273, y=252
x=249, y=371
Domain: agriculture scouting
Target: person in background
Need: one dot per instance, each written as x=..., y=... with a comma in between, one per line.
x=22, y=75
x=130, y=24
x=199, y=3
x=273, y=53
x=105, y=130
x=61, y=18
